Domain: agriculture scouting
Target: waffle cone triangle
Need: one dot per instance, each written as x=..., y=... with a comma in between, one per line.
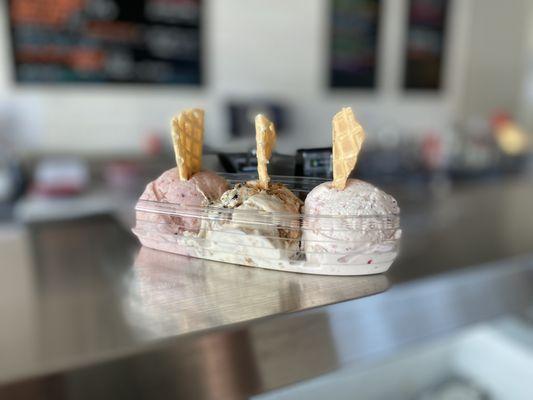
x=348, y=137
x=187, y=138
x=265, y=137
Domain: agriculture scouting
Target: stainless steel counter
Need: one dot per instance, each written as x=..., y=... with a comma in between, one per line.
x=88, y=314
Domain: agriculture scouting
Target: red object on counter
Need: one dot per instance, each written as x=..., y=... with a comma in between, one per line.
x=152, y=144
x=432, y=152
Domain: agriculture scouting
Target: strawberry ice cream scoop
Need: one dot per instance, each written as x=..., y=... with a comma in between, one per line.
x=356, y=225
x=203, y=188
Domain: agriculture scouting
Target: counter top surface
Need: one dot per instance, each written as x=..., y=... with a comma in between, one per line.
x=80, y=294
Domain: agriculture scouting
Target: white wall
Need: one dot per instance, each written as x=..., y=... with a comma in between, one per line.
x=526, y=100
x=255, y=48
x=497, y=44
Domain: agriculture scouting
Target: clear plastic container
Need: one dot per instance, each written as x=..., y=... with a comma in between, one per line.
x=328, y=245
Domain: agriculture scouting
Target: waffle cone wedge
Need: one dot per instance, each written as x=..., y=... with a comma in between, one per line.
x=187, y=137
x=348, y=137
x=265, y=137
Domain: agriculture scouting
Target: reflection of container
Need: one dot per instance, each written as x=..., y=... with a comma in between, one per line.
x=163, y=286
x=251, y=238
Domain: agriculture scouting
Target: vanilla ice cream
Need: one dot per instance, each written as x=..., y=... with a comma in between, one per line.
x=262, y=228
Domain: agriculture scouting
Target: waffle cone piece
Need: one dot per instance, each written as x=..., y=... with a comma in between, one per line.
x=348, y=137
x=265, y=137
x=187, y=138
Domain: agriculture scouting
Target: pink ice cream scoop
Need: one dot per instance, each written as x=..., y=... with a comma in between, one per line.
x=201, y=189
x=353, y=225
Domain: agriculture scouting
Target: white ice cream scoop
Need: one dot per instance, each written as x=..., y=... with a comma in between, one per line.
x=349, y=221
x=358, y=224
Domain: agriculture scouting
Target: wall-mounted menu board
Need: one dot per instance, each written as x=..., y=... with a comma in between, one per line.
x=106, y=41
x=353, y=43
x=426, y=32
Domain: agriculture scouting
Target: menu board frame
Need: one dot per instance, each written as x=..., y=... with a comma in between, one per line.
x=197, y=69
x=355, y=69
x=425, y=51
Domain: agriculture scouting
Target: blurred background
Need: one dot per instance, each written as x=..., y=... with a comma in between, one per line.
x=443, y=88
x=87, y=88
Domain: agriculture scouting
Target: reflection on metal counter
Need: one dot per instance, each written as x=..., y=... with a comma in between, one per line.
x=94, y=311
x=169, y=292
x=85, y=301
